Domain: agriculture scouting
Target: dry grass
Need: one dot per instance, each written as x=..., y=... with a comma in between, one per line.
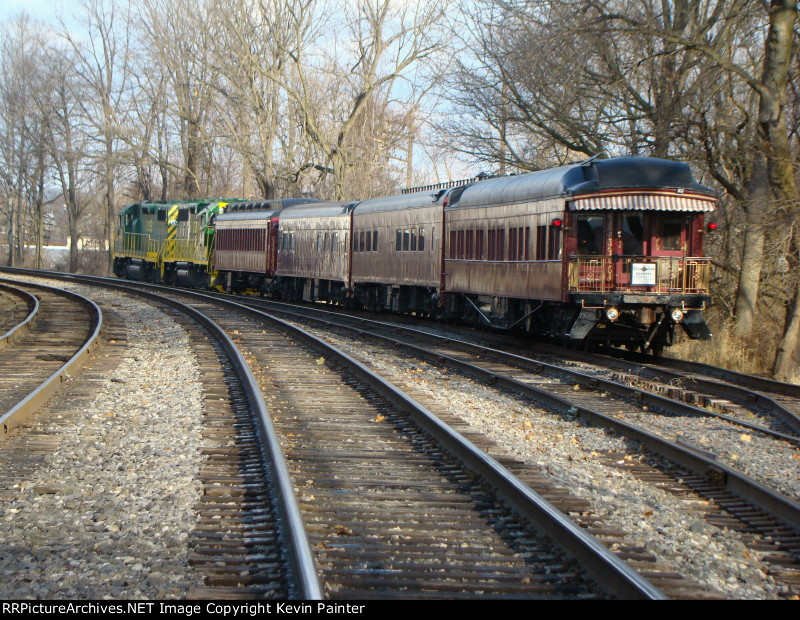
x=752, y=356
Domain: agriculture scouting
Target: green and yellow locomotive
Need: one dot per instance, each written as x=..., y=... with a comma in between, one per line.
x=169, y=242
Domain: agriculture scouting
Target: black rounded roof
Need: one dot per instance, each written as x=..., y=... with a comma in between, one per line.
x=582, y=178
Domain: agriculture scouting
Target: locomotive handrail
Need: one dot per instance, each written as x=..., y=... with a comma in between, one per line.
x=173, y=250
x=138, y=245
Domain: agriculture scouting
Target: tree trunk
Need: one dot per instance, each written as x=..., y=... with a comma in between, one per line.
x=339, y=167
x=111, y=208
x=74, y=264
x=11, y=232
x=265, y=188
x=784, y=356
x=190, y=181
x=752, y=250
x=772, y=175
x=40, y=209
x=784, y=366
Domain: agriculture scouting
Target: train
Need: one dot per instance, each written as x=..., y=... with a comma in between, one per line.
x=605, y=252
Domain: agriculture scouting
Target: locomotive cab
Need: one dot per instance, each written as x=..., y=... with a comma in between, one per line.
x=165, y=241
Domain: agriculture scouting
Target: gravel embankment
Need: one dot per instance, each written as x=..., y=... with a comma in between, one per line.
x=109, y=513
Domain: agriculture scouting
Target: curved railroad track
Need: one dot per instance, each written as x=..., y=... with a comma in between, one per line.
x=765, y=515
x=685, y=476
x=18, y=309
x=248, y=541
x=452, y=533
x=46, y=349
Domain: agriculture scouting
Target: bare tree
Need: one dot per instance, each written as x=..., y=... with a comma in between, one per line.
x=178, y=33
x=69, y=145
x=101, y=55
x=387, y=40
x=251, y=55
x=22, y=155
x=771, y=185
x=550, y=81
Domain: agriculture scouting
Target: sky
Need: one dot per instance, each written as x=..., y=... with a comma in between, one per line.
x=40, y=9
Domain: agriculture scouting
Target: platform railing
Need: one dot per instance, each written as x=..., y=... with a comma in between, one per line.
x=639, y=274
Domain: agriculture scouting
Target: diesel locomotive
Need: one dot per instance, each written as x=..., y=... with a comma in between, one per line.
x=603, y=251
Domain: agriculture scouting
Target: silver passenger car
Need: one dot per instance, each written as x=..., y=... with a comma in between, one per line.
x=314, y=251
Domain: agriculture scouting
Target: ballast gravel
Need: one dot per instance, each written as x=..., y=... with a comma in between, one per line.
x=768, y=460
x=109, y=514
x=568, y=453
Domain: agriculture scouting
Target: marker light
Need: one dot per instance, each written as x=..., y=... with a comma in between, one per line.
x=612, y=314
x=676, y=314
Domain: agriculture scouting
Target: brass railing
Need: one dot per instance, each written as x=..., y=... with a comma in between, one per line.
x=644, y=274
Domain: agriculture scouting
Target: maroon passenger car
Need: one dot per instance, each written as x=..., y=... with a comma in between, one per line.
x=246, y=244
x=607, y=251
x=314, y=252
x=397, y=252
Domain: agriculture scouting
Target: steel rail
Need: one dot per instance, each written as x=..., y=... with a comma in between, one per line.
x=538, y=367
x=35, y=399
x=304, y=583
x=606, y=568
x=685, y=366
x=734, y=388
x=779, y=506
x=603, y=565
x=33, y=310
x=303, y=580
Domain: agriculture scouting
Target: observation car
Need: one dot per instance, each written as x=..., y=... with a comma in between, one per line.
x=606, y=251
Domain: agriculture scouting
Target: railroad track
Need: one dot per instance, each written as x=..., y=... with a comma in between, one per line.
x=17, y=310
x=755, y=403
x=453, y=534
x=238, y=544
x=47, y=348
x=744, y=398
x=768, y=522
x=248, y=542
